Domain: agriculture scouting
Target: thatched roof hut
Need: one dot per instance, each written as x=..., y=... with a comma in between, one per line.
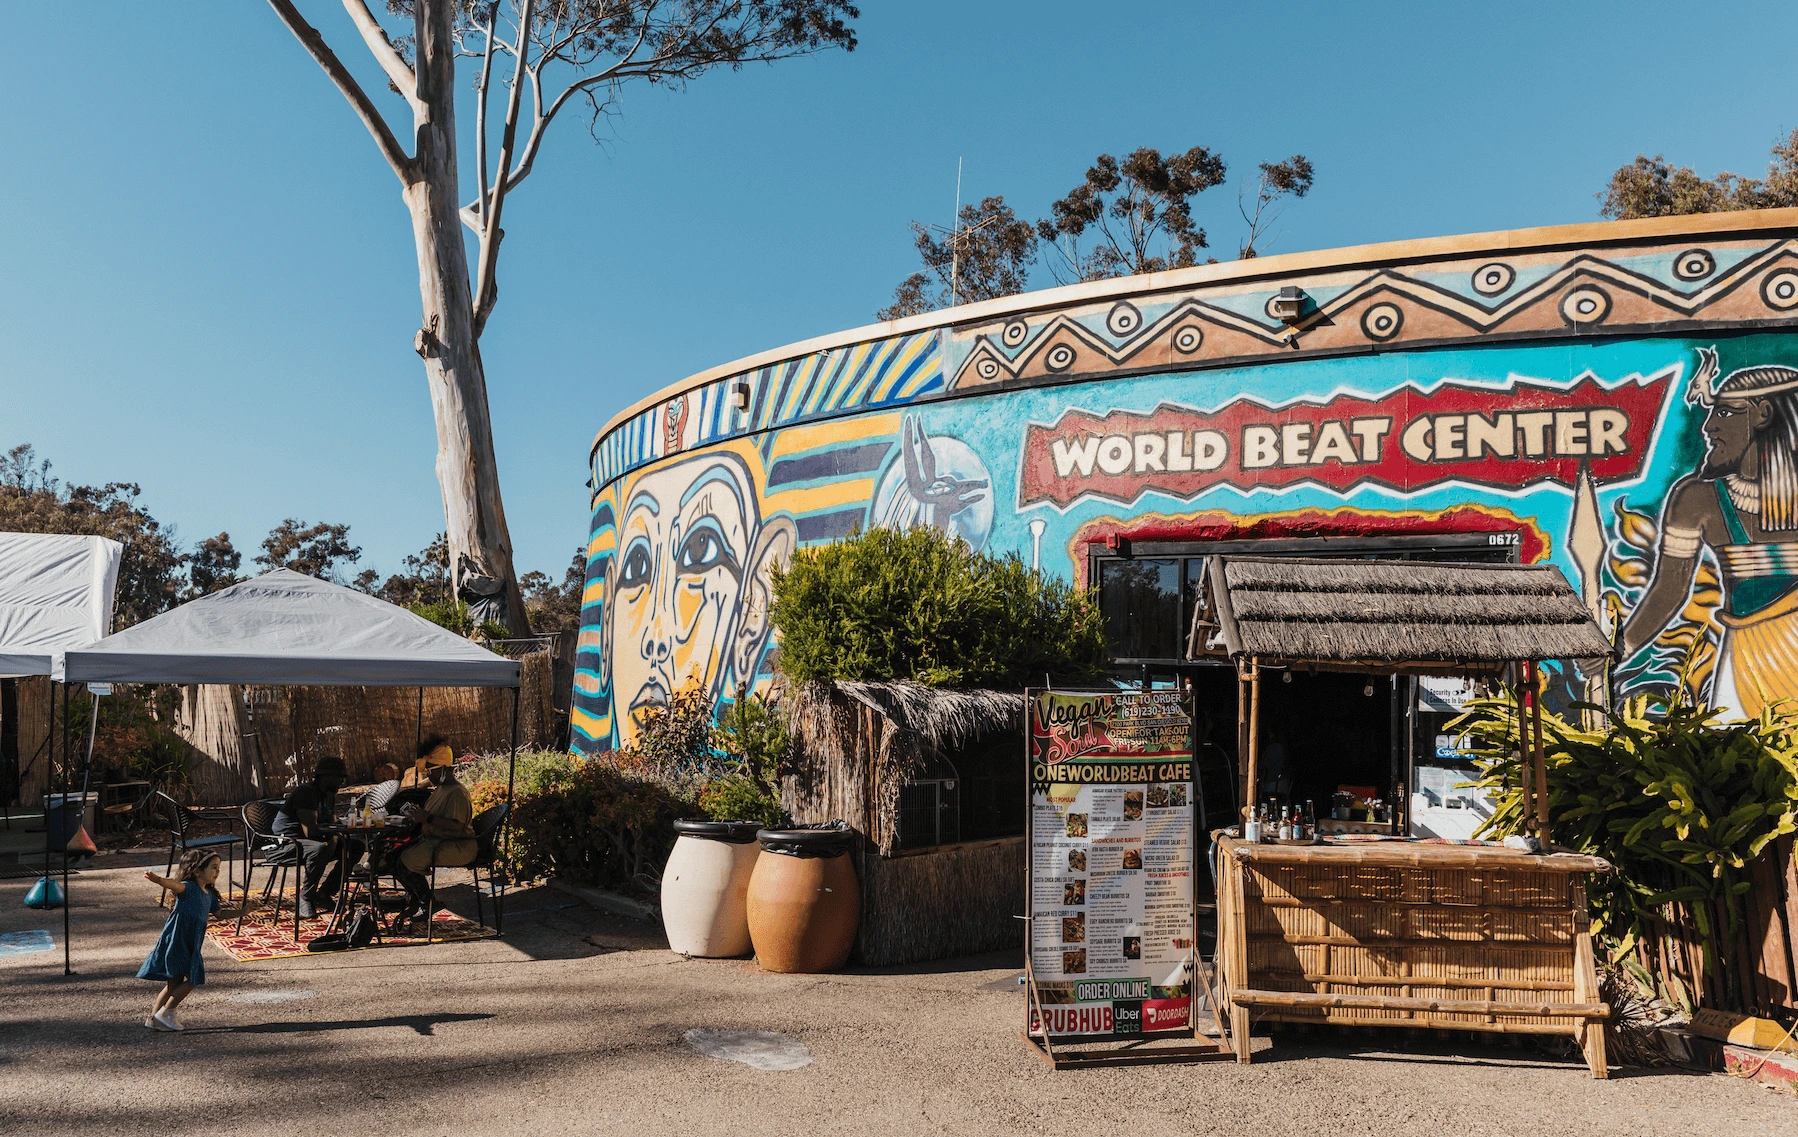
x=858, y=743
x=1391, y=615
x=856, y=746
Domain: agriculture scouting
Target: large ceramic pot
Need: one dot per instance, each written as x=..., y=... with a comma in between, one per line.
x=705, y=887
x=804, y=902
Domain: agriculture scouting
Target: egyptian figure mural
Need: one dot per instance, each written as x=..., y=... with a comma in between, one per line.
x=1627, y=409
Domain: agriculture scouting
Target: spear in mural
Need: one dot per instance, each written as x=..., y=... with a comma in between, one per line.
x=1586, y=546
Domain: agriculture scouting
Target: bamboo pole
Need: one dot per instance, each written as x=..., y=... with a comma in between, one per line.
x=1299, y=999
x=1540, y=760
x=1524, y=779
x=1254, y=791
x=1422, y=981
x=1242, y=745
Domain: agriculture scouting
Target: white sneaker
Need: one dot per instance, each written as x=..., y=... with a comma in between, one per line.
x=150, y=1021
x=166, y=1022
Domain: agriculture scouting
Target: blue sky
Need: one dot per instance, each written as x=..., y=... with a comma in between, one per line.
x=209, y=283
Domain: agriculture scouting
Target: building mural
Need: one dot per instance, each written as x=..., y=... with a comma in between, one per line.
x=1629, y=412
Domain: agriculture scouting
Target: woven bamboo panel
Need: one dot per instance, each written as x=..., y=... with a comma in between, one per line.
x=1453, y=934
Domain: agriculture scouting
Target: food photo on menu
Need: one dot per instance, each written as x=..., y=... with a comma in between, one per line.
x=1073, y=894
x=1133, y=805
x=1073, y=929
x=1076, y=824
x=1132, y=947
x=1158, y=797
x=1133, y=858
x=1076, y=860
x=1073, y=962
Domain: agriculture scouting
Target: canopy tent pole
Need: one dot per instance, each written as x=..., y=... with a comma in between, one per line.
x=418, y=735
x=65, y=824
x=499, y=902
x=87, y=769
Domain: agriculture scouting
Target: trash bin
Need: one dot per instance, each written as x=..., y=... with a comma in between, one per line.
x=705, y=887
x=66, y=813
x=804, y=901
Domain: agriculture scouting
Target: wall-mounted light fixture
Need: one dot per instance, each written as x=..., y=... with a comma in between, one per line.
x=1118, y=545
x=1288, y=304
x=740, y=394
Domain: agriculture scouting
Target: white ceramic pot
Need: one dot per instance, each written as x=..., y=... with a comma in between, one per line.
x=705, y=888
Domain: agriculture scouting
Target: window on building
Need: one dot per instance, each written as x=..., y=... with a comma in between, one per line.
x=1140, y=603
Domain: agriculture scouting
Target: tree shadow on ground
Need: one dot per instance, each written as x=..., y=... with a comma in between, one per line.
x=423, y=1024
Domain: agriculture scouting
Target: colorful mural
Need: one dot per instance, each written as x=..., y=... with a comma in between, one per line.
x=1657, y=465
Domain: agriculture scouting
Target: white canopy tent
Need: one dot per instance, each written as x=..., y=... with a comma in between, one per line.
x=287, y=629
x=55, y=594
x=284, y=628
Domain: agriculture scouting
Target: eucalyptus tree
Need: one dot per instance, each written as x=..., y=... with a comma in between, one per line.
x=532, y=60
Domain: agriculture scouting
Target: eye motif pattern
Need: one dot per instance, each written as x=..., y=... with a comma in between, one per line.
x=1382, y=321
x=1060, y=358
x=1013, y=333
x=1694, y=264
x=987, y=369
x=1123, y=319
x=1492, y=279
x=1585, y=305
x=1780, y=290
x=1188, y=338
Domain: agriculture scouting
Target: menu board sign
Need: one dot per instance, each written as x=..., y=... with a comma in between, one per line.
x=1111, y=862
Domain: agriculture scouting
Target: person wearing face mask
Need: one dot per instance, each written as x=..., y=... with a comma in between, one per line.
x=445, y=830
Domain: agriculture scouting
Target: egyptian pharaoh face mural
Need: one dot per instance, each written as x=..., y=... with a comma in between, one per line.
x=686, y=600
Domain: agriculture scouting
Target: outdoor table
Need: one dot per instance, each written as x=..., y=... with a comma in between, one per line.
x=1408, y=934
x=377, y=840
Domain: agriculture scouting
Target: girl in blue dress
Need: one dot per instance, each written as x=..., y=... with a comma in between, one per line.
x=175, y=961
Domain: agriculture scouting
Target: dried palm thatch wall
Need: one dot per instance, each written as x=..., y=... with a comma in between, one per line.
x=856, y=744
x=241, y=741
x=290, y=727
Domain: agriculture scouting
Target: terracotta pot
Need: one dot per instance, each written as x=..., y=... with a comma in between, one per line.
x=705, y=888
x=804, y=902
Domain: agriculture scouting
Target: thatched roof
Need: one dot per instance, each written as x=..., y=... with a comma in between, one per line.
x=858, y=743
x=1386, y=615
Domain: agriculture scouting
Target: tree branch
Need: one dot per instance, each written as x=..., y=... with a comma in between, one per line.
x=382, y=49
x=485, y=292
x=480, y=122
x=321, y=53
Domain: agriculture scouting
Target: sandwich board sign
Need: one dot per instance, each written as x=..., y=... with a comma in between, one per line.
x=1112, y=842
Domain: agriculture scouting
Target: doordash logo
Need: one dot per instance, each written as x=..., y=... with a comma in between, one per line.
x=1526, y=432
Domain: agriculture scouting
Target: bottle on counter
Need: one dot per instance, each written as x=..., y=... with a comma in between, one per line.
x=1310, y=820
x=1285, y=824
x=1251, y=828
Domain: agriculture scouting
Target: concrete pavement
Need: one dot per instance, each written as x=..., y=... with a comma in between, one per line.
x=575, y=1024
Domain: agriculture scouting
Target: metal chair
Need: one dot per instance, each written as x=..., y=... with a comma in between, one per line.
x=181, y=822
x=488, y=825
x=278, y=855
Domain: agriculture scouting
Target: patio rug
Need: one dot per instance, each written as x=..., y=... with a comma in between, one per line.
x=262, y=938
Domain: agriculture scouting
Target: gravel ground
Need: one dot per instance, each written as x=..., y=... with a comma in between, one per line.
x=576, y=1023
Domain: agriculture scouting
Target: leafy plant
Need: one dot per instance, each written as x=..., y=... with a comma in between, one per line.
x=752, y=732
x=458, y=618
x=674, y=747
x=1676, y=801
x=599, y=824
x=536, y=771
x=922, y=605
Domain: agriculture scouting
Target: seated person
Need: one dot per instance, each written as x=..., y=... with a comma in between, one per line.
x=387, y=783
x=445, y=830
x=300, y=816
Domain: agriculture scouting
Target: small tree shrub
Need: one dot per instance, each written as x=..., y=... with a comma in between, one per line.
x=754, y=734
x=1678, y=803
x=922, y=605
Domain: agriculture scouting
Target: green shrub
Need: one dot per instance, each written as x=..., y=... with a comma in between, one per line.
x=537, y=771
x=1676, y=802
x=598, y=825
x=458, y=618
x=738, y=797
x=922, y=605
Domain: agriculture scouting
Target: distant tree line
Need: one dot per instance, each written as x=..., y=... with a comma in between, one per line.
x=1654, y=187
x=1128, y=216
x=156, y=573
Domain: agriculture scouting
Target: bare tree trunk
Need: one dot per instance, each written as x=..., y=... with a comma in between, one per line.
x=214, y=724
x=467, y=471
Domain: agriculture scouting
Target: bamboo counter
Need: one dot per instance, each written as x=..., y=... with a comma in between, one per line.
x=1405, y=934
